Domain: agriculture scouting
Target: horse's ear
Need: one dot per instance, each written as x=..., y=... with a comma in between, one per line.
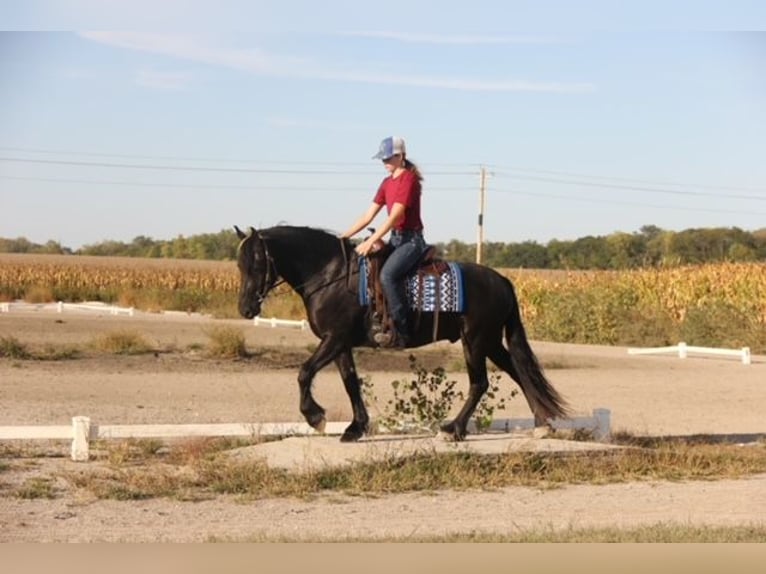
x=240, y=233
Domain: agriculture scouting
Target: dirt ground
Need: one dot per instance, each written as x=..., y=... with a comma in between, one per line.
x=647, y=395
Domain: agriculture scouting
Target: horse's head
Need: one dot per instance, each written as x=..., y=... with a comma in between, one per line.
x=257, y=272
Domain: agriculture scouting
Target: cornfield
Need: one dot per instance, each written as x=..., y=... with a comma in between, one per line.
x=717, y=304
x=721, y=304
x=151, y=284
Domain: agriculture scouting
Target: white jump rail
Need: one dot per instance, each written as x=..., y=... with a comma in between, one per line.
x=61, y=307
x=274, y=322
x=599, y=424
x=82, y=430
x=683, y=351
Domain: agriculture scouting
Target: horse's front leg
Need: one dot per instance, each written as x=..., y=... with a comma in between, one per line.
x=360, y=425
x=326, y=352
x=476, y=365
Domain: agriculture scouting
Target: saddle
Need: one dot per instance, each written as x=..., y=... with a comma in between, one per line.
x=429, y=264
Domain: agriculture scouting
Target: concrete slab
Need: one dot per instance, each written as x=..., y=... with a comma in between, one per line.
x=317, y=452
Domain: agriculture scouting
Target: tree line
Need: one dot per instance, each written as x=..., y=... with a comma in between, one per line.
x=648, y=247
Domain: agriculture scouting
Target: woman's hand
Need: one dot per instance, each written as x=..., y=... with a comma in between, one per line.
x=365, y=247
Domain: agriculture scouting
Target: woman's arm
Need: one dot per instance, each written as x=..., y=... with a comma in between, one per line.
x=363, y=221
x=397, y=212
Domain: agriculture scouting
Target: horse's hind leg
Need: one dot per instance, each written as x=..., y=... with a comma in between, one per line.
x=502, y=358
x=360, y=424
x=476, y=364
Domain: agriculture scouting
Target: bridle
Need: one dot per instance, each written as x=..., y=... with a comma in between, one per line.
x=271, y=279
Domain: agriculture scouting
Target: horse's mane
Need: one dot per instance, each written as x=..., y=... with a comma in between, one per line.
x=314, y=242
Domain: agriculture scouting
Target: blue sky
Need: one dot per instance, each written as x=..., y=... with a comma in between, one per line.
x=168, y=118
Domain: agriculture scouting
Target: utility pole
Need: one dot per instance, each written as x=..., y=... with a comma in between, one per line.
x=480, y=238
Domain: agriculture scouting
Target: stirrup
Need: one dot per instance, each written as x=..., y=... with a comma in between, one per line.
x=376, y=324
x=390, y=340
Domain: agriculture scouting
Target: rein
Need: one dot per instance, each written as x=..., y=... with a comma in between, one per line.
x=271, y=271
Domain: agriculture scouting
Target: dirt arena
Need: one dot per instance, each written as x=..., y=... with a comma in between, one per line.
x=647, y=395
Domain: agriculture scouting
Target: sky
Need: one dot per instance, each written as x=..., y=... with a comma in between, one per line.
x=160, y=119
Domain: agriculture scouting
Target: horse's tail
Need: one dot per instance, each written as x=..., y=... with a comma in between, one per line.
x=545, y=401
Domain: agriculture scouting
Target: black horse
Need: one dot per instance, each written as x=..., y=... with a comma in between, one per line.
x=323, y=270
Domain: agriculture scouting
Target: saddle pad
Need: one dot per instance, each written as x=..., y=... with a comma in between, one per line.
x=424, y=294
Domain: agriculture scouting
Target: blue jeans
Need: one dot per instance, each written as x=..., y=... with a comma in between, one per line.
x=408, y=248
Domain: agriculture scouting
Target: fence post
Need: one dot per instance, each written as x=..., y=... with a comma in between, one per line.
x=681, y=350
x=603, y=424
x=745, y=355
x=60, y=307
x=80, y=438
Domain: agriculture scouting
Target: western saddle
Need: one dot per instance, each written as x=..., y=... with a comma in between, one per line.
x=429, y=264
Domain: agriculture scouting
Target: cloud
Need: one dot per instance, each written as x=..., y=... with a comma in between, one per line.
x=288, y=122
x=74, y=73
x=195, y=49
x=267, y=64
x=452, y=39
x=162, y=80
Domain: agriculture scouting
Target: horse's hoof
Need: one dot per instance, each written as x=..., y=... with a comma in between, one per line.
x=541, y=432
x=447, y=428
x=354, y=432
x=450, y=433
x=318, y=424
x=350, y=437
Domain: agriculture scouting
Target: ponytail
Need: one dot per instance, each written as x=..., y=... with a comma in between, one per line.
x=408, y=165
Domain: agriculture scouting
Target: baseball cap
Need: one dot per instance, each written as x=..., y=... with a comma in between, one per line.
x=390, y=147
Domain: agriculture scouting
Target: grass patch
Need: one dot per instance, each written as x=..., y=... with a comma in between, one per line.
x=133, y=451
x=203, y=471
x=12, y=348
x=122, y=342
x=59, y=353
x=226, y=342
x=35, y=488
x=655, y=533
x=39, y=294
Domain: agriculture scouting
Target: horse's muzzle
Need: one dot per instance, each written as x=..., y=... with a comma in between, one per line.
x=249, y=311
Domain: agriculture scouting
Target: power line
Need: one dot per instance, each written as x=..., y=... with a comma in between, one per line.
x=337, y=172
x=475, y=169
x=350, y=189
x=219, y=160
x=634, y=180
x=633, y=187
x=619, y=202
x=203, y=169
x=201, y=186
x=174, y=158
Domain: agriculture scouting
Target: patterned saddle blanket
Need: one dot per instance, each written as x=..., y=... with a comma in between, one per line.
x=425, y=292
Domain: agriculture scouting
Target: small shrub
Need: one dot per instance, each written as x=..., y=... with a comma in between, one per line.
x=715, y=324
x=132, y=451
x=12, y=348
x=648, y=327
x=226, y=342
x=425, y=401
x=191, y=300
x=34, y=488
x=489, y=403
x=59, y=353
x=38, y=294
x=122, y=343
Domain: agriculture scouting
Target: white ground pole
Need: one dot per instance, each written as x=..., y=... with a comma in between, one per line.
x=82, y=430
x=683, y=351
